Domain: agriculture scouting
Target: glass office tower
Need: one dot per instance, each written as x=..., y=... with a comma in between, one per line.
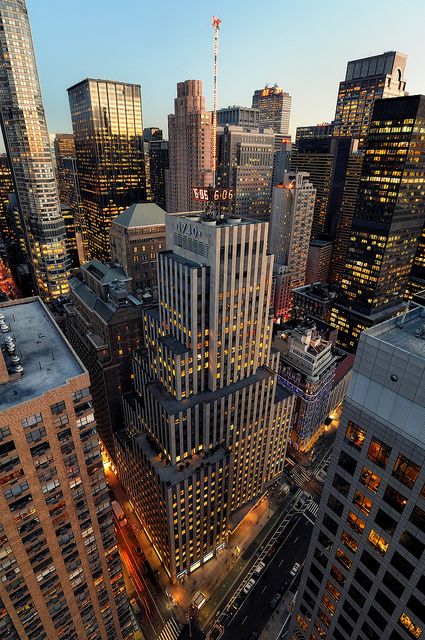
x=107, y=124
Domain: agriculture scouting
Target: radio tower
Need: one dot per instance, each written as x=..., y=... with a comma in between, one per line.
x=216, y=26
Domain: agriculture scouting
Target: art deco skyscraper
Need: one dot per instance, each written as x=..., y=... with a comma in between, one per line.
x=107, y=124
x=364, y=573
x=388, y=219
x=27, y=144
x=274, y=105
x=207, y=426
x=60, y=572
x=189, y=146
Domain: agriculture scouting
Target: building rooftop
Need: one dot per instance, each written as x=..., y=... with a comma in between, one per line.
x=104, y=273
x=406, y=332
x=225, y=221
x=316, y=290
x=140, y=215
x=45, y=355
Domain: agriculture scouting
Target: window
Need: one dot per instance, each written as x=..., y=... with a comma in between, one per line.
x=392, y=583
x=363, y=502
x=325, y=541
x=405, y=471
x=349, y=542
x=4, y=432
x=350, y=610
x=379, y=453
x=370, y=563
x=378, y=542
x=337, y=574
x=370, y=633
x=417, y=517
x=343, y=559
x=80, y=394
x=417, y=607
x=402, y=565
x=32, y=420
x=384, y=601
x=330, y=524
x=344, y=624
x=412, y=544
x=412, y=629
x=421, y=584
x=347, y=463
x=320, y=557
x=355, y=522
x=341, y=485
x=377, y=618
x=335, y=505
x=315, y=571
x=330, y=606
x=385, y=521
x=370, y=480
x=57, y=408
x=335, y=593
x=395, y=499
x=356, y=595
x=355, y=435
x=363, y=580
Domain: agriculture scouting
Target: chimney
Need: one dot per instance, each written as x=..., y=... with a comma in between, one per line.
x=4, y=375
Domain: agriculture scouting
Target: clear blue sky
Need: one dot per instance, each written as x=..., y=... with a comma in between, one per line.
x=302, y=45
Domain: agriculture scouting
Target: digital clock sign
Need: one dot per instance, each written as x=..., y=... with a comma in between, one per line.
x=213, y=195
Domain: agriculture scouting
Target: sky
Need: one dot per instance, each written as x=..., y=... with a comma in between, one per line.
x=304, y=46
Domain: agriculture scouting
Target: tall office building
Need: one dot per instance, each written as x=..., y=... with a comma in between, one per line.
x=6, y=188
x=388, y=219
x=290, y=227
x=27, y=144
x=158, y=154
x=318, y=261
x=239, y=116
x=367, y=80
x=189, y=147
x=107, y=124
x=207, y=426
x=364, y=572
x=60, y=575
x=66, y=166
x=315, y=131
x=274, y=105
x=245, y=164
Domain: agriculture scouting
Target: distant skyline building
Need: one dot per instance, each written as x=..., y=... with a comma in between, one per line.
x=190, y=148
x=363, y=576
x=239, y=116
x=388, y=219
x=245, y=164
x=274, y=105
x=323, y=130
x=158, y=151
x=198, y=445
x=290, y=225
x=367, y=80
x=60, y=575
x=27, y=144
x=318, y=261
x=107, y=124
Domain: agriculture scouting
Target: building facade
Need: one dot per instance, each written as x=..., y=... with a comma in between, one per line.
x=274, y=105
x=189, y=147
x=315, y=300
x=28, y=148
x=158, y=167
x=318, y=261
x=107, y=124
x=245, y=164
x=207, y=424
x=239, y=116
x=290, y=226
x=364, y=572
x=61, y=575
x=136, y=236
x=388, y=219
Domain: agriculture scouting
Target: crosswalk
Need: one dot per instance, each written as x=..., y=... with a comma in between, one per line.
x=171, y=631
x=300, y=475
x=313, y=507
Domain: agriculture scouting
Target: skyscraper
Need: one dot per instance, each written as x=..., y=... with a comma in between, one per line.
x=60, y=575
x=388, y=219
x=107, y=124
x=239, y=116
x=274, y=105
x=367, y=80
x=290, y=226
x=158, y=164
x=207, y=425
x=364, y=573
x=190, y=147
x=245, y=164
x=27, y=144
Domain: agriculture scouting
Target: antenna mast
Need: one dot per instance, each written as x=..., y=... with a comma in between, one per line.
x=216, y=26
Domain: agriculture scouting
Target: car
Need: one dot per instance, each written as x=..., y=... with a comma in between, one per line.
x=295, y=569
x=271, y=551
x=249, y=585
x=258, y=568
x=275, y=600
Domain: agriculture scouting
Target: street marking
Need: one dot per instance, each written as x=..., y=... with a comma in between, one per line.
x=309, y=519
x=281, y=562
x=244, y=620
x=264, y=588
x=295, y=540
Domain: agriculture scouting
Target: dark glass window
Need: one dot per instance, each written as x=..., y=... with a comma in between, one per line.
x=412, y=544
x=395, y=499
x=347, y=463
x=421, y=584
x=330, y=524
x=363, y=502
x=313, y=588
x=370, y=633
x=385, y=602
x=350, y=610
x=309, y=600
x=58, y=407
x=417, y=607
x=405, y=471
x=324, y=541
x=363, y=580
x=402, y=565
x=316, y=572
x=385, y=521
x=355, y=435
x=379, y=453
x=320, y=557
x=392, y=584
x=370, y=479
x=417, y=517
x=396, y=636
x=344, y=624
x=335, y=505
x=341, y=485
x=377, y=618
x=371, y=563
x=338, y=635
x=356, y=595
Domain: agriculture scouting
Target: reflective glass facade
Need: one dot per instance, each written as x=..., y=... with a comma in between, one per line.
x=27, y=143
x=107, y=124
